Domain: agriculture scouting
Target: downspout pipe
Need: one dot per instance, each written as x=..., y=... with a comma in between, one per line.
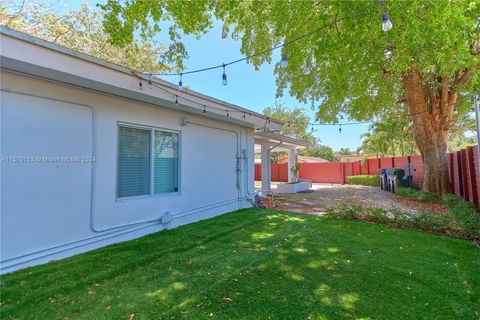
x=247, y=193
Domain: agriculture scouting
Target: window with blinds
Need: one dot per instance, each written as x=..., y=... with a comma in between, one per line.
x=165, y=171
x=143, y=171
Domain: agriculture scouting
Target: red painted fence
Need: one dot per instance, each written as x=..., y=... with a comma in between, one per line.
x=464, y=169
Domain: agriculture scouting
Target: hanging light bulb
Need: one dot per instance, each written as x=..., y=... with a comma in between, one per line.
x=284, y=62
x=180, y=83
x=140, y=85
x=176, y=99
x=386, y=23
x=204, y=109
x=311, y=129
x=228, y=114
x=340, y=129
x=150, y=80
x=224, y=77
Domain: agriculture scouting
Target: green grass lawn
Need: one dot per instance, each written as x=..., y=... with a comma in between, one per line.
x=257, y=264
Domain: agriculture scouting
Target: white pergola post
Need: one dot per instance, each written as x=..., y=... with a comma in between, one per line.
x=292, y=160
x=266, y=169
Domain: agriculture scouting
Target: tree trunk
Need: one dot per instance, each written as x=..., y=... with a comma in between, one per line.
x=402, y=151
x=431, y=110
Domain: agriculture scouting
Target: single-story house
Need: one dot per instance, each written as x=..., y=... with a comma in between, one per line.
x=353, y=157
x=93, y=153
x=304, y=159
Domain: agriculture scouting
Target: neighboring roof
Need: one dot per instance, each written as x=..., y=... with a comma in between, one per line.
x=278, y=142
x=307, y=159
x=354, y=156
x=313, y=159
x=29, y=55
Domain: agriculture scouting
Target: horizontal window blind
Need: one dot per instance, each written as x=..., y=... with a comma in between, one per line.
x=133, y=162
x=165, y=169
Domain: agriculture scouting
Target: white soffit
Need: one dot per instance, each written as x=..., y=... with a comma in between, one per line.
x=29, y=55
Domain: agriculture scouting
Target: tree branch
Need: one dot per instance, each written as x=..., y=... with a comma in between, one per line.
x=61, y=34
x=463, y=78
x=19, y=11
x=385, y=71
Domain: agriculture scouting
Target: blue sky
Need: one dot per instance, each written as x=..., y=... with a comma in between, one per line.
x=246, y=87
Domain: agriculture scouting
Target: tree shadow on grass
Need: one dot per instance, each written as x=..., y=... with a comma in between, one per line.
x=258, y=264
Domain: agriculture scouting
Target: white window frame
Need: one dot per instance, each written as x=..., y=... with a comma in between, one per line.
x=152, y=193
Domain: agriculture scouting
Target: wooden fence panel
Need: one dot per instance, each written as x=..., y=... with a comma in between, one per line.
x=373, y=166
x=417, y=164
x=463, y=166
x=283, y=172
x=475, y=174
x=457, y=185
x=386, y=163
x=324, y=172
x=348, y=169
x=356, y=168
x=400, y=162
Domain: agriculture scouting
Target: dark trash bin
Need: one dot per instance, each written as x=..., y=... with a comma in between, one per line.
x=405, y=182
x=397, y=179
x=384, y=178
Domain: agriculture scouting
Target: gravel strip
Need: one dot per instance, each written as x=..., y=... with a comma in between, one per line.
x=316, y=201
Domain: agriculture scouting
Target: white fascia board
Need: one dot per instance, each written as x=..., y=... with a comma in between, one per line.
x=29, y=55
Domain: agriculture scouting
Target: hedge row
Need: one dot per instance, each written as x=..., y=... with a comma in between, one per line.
x=364, y=180
x=462, y=218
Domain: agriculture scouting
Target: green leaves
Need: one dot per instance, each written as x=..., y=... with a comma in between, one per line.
x=320, y=151
x=296, y=122
x=352, y=67
x=82, y=30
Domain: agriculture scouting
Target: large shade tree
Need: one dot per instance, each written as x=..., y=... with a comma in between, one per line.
x=296, y=121
x=320, y=151
x=296, y=125
x=427, y=65
x=81, y=30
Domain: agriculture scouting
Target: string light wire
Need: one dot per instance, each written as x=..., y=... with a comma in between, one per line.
x=223, y=65
x=178, y=97
x=366, y=122
x=308, y=34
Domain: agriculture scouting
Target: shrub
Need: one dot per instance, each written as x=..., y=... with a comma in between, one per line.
x=417, y=195
x=465, y=214
x=365, y=180
x=400, y=217
x=376, y=215
x=462, y=218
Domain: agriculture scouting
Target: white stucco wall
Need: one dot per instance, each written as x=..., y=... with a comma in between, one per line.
x=46, y=208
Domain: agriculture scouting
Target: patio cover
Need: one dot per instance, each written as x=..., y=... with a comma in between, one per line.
x=267, y=142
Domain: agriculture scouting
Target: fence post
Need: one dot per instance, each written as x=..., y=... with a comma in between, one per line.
x=460, y=173
x=466, y=191
x=472, y=175
x=452, y=171
x=342, y=173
